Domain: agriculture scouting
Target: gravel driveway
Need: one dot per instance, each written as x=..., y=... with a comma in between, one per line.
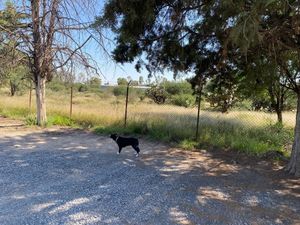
x=75, y=177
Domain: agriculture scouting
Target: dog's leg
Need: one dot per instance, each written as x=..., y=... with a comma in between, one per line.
x=137, y=149
x=120, y=149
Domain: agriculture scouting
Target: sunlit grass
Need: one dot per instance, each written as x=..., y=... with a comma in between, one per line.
x=248, y=131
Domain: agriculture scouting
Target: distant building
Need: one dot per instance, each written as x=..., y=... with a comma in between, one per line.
x=141, y=87
x=107, y=85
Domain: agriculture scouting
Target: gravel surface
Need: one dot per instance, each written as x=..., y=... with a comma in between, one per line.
x=75, y=177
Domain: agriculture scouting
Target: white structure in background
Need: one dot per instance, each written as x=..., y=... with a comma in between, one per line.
x=108, y=85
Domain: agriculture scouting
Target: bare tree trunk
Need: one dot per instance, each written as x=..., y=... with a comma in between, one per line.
x=294, y=163
x=40, y=88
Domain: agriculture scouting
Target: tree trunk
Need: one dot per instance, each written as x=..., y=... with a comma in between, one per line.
x=279, y=105
x=277, y=99
x=40, y=88
x=13, y=88
x=294, y=163
x=279, y=115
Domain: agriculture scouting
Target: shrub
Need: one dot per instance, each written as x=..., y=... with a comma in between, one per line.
x=243, y=105
x=142, y=97
x=82, y=88
x=157, y=94
x=177, y=88
x=56, y=86
x=185, y=100
x=30, y=120
x=119, y=90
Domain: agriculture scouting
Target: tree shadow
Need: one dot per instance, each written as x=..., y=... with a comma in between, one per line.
x=12, y=126
x=74, y=177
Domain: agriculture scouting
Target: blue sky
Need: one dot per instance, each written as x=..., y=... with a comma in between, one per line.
x=110, y=70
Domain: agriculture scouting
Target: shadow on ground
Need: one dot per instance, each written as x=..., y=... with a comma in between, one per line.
x=74, y=177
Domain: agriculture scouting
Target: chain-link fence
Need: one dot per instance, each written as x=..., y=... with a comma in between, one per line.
x=242, y=129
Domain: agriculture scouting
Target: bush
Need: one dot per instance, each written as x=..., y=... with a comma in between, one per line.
x=30, y=120
x=56, y=86
x=177, y=88
x=142, y=97
x=119, y=90
x=243, y=105
x=185, y=100
x=157, y=94
x=82, y=88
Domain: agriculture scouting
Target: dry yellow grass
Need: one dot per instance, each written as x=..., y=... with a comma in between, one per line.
x=242, y=130
x=90, y=107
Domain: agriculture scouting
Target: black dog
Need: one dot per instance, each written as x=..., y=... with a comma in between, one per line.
x=123, y=142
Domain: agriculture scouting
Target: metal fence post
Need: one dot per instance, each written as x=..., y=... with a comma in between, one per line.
x=30, y=96
x=198, y=117
x=71, y=102
x=126, y=104
x=199, y=106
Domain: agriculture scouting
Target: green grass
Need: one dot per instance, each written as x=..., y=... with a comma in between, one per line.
x=255, y=141
x=14, y=112
x=52, y=120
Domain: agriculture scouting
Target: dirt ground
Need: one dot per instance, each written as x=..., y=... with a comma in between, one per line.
x=64, y=176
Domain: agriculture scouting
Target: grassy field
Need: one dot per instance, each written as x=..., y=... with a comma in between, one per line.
x=255, y=133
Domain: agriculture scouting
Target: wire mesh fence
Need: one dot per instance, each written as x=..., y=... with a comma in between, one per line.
x=241, y=129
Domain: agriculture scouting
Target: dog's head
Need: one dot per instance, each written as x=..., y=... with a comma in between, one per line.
x=113, y=136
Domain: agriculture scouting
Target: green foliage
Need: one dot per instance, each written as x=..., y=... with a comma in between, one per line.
x=56, y=85
x=134, y=94
x=15, y=77
x=122, y=81
x=158, y=94
x=14, y=71
x=30, y=120
x=290, y=102
x=9, y=17
x=83, y=88
x=252, y=141
x=176, y=93
x=65, y=77
x=59, y=120
x=188, y=144
x=246, y=104
x=185, y=100
x=14, y=112
x=120, y=90
x=220, y=132
x=178, y=88
x=94, y=82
